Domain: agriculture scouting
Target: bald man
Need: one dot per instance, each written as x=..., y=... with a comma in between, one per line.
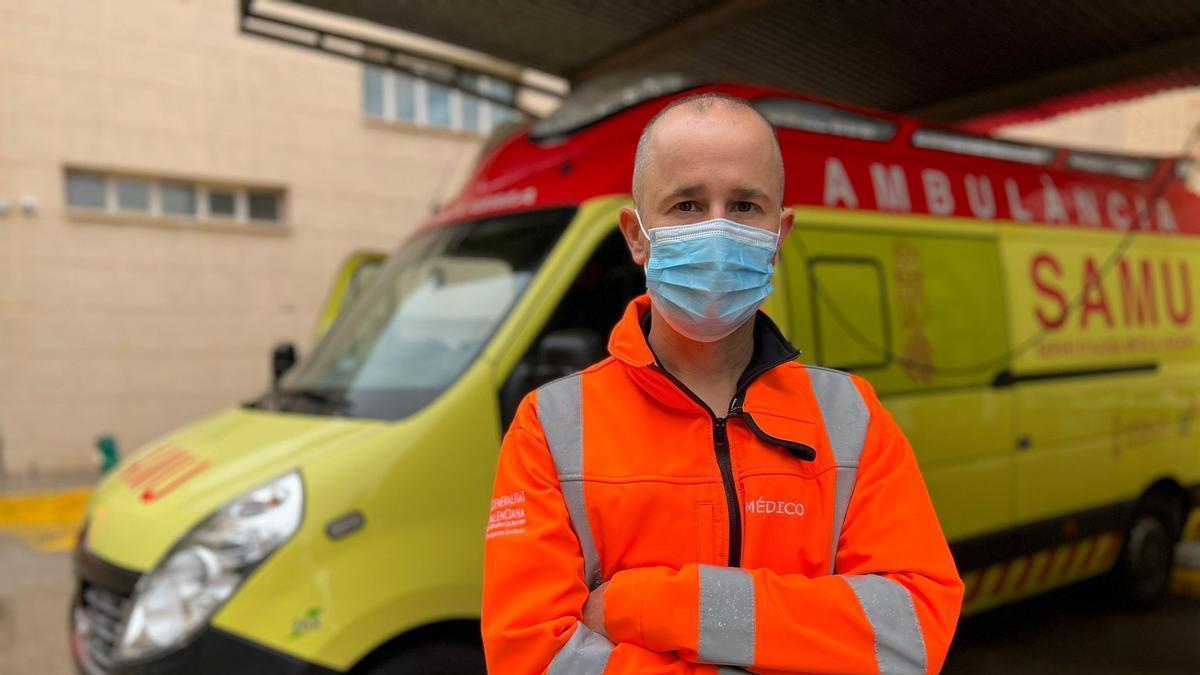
x=699, y=501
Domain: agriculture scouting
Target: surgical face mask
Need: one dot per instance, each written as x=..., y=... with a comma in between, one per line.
x=706, y=279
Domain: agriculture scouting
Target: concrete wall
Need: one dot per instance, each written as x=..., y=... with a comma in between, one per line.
x=135, y=327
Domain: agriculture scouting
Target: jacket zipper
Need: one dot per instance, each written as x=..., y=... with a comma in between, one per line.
x=724, y=464
x=725, y=461
x=721, y=444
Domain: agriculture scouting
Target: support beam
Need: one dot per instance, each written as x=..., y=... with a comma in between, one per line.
x=309, y=32
x=720, y=15
x=1162, y=57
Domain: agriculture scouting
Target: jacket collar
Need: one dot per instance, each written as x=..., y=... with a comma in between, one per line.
x=628, y=342
x=789, y=429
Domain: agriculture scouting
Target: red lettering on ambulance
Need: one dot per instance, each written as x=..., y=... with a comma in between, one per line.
x=1137, y=300
x=1094, y=297
x=1184, y=314
x=1042, y=262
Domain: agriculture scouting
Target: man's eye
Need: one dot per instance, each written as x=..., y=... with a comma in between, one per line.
x=743, y=207
x=687, y=206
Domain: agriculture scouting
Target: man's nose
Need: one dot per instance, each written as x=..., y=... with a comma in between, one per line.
x=723, y=211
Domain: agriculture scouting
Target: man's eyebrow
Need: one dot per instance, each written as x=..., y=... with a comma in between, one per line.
x=688, y=191
x=696, y=190
x=749, y=193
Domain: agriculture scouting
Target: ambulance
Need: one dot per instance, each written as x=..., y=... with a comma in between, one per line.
x=1028, y=314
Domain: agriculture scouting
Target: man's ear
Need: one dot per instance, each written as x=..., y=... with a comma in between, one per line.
x=639, y=247
x=787, y=220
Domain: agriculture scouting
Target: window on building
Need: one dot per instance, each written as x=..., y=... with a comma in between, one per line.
x=393, y=95
x=264, y=206
x=113, y=193
x=500, y=114
x=221, y=203
x=178, y=199
x=85, y=190
x=133, y=195
x=437, y=105
x=470, y=104
x=404, y=96
x=373, y=90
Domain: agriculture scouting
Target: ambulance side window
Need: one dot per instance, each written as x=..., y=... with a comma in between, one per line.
x=857, y=340
x=577, y=333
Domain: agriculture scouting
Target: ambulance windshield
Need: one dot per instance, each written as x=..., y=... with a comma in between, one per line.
x=424, y=319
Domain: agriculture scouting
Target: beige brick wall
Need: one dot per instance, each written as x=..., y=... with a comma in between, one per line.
x=134, y=330
x=1157, y=124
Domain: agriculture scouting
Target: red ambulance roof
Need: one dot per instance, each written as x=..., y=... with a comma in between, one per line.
x=840, y=156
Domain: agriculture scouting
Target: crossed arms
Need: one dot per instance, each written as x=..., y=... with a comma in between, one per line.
x=891, y=608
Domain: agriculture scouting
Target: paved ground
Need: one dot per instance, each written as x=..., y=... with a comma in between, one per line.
x=35, y=589
x=1075, y=631
x=1067, y=632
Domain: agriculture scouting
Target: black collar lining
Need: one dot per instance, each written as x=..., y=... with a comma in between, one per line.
x=771, y=348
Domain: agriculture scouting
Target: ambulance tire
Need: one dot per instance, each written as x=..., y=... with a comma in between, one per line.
x=436, y=657
x=1142, y=575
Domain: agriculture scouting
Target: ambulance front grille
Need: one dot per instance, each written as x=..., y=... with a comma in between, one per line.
x=97, y=626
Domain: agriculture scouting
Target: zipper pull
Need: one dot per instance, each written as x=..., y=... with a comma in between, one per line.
x=798, y=450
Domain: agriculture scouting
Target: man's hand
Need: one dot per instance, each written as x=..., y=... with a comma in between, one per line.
x=593, y=610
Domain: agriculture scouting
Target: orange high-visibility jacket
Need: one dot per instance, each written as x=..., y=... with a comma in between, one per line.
x=792, y=535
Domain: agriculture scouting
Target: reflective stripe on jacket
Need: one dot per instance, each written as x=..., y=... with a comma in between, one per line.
x=792, y=535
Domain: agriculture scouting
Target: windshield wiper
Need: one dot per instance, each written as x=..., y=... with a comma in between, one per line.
x=327, y=397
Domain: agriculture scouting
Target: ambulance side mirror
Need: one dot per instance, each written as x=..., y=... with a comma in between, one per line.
x=563, y=352
x=283, y=357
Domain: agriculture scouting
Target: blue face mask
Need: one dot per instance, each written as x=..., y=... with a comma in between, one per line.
x=706, y=279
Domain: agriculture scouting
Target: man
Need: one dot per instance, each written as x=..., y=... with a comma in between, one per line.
x=699, y=502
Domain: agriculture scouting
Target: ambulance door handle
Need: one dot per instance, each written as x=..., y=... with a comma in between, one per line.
x=1024, y=442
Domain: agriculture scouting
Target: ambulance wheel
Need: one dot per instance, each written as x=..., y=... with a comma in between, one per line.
x=440, y=657
x=1142, y=574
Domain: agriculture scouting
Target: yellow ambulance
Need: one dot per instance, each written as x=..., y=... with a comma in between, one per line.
x=1029, y=314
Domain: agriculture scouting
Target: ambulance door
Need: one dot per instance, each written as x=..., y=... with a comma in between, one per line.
x=921, y=317
x=1072, y=379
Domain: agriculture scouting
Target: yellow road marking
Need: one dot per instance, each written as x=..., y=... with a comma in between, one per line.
x=1185, y=582
x=1185, y=579
x=45, y=521
x=44, y=508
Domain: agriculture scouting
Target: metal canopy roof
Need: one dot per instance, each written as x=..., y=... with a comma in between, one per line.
x=945, y=60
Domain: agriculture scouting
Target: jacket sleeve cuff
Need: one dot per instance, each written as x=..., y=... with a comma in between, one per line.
x=654, y=607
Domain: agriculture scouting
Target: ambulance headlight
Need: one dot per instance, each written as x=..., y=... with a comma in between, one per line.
x=204, y=569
